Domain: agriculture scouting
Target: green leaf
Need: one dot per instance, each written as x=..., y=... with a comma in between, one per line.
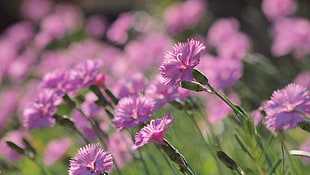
x=15, y=147
x=191, y=85
x=200, y=77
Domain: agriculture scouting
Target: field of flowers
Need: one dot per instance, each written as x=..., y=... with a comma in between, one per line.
x=190, y=87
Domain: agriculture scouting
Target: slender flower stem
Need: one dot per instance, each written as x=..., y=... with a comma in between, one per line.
x=167, y=161
x=146, y=169
x=39, y=166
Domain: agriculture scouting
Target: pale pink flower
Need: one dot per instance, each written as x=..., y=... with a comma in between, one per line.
x=16, y=137
x=303, y=79
x=55, y=150
x=277, y=9
x=283, y=109
x=118, y=31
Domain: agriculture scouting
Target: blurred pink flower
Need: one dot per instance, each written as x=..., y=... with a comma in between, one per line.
x=20, y=33
x=131, y=85
x=85, y=73
x=55, y=150
x=132, y=111
x=119, y=144
x=281, y=108
x=303, y=79
x=163, y=94
x=256, y=116
x=16, y=137
x=180, y=62
x=178, y=16
x=96, y=26
x=216, y=109
x=225, y=36
x=35, y=9
x=91, y=160
x=277, y=9
x=10, y=98
x=39, y=114
x=291, y=35
x=153, y=132
x=221, y=72
x=118, y=31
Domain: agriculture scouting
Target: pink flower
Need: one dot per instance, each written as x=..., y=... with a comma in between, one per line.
x=178, y=16
x=40, y=113
x=217, y=110
x=15, y=137
x=131, y=85
x=222, y=72
x=85, y=73
x=303, y=79
x=281, y=109
x=132, y=111
x=119, y=144
x=96, y=26
x=256, y=116
x=55, y=150
x=36, y=9
x=291, y=35
x=153, y=132
x=180, y=62
x=118, y=32
x=277, y=9
x=163, y=94
x=91, y=160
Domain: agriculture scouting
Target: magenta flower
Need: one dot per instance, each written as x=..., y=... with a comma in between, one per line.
x=59, y=82
x=85, y=73
x=153, y=132
x=163, y=94
x=303, y=79
x=119, y=144
x=55, y=150
x=131, y=85
x=91, y=160
x=40, y=113
x=15, y=137
x=180, y=62
x=132, y=111
x=284, y=107
x=277, y=9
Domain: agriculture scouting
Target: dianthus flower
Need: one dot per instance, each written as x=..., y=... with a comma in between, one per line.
x=55, y=150
x=179, y=63
x=277, y=9
x=132, y=111
x=85, y=73
x=303, y=79
x=283, y=110
x=163, y=94
x=40, y=113
x=153, y=132
x=91, y=160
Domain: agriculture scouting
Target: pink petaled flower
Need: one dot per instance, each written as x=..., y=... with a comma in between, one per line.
x=153, y=132
x=91, y=160
x=283, y=110
x=40, y=113
x=180, y=62
x=222, y=72
x=303, y=79
x=132, y=111
x=119, y=144
x=163, y=94
x=55, y=150
x=217, y=110
x=277, y=9
x=96, y=26
x=59, y=82
x=15, y=137
x=131, y=85
x=85, y=73
x=256, y=116
x=118, y=32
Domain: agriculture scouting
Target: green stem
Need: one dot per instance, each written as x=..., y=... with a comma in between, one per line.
x=39, y=166
x=146, y=169
x=167, y=161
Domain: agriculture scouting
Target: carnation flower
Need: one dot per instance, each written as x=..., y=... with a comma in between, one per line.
x=85, y=73
x=163, y=94
x=283, y=110
x=119, y=144
x=153, y=132
x=40, y=113
x=55, y=150
x=91, y=160
x=303, y=79
x=277, y=9
x=132, y=111
x=180, y=62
